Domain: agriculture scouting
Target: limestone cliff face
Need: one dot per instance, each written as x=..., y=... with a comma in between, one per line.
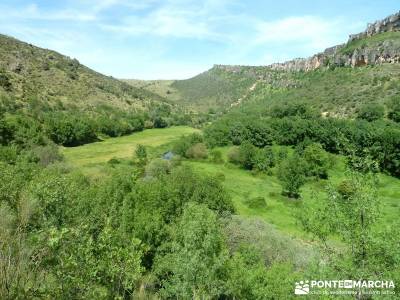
x=386, y=52
x=389, y=24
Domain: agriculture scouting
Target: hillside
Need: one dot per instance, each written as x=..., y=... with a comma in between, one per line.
x=213, y=90
x=332, y=81
x=31, y=74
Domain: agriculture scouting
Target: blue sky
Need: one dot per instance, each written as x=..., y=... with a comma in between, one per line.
x=175, y=39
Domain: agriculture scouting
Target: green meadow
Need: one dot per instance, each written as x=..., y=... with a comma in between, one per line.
x=91, y=157
x=241, y=184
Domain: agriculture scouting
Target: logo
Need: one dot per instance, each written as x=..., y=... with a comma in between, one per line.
x=344, y=287
x=302, y=288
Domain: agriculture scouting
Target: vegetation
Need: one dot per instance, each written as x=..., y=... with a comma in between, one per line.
x=106, y=194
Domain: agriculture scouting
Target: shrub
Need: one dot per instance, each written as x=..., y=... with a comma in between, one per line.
x=197, y=151
x=234, y=155
x=263, y=159
x=185, y=142
x=394, y=109
x=317, y=161
x=216, y=156
x=47, y=155
x=247, y=154
x=291, y=174
x=160, y=122
x=141, y=154
x=371, y=112
x=158, y=167
x=8, y=154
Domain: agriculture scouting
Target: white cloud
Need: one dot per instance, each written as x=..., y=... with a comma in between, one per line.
x=174, y=18
x=311, y=30
x=146, y=34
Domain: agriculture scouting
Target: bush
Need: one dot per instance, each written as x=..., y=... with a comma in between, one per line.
x=263, y=159
x=141, y=154
x=216, y=156
x=70, y=130
x=371, y=112
x=291, y=174
x=181, y=146
x=8, y=154
x=47, y=155
x=317, y=161
x=394, y=109
x=158, y=167
x=197, y=151
x=234, y=155
x=159, y=122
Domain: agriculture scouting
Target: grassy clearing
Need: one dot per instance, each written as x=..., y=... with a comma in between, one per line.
x=280, y=211
x=90, y=157
x=241, y=184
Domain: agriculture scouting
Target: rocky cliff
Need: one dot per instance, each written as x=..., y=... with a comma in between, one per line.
x=366, y=48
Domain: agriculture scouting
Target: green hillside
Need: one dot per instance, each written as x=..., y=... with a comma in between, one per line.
x=31, y=74
x=215, y=89
x=337, y=91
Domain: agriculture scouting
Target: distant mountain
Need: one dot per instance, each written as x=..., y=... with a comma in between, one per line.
x=31, y=74
x=330, y=80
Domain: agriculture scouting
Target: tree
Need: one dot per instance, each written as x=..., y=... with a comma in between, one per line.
x=193, y=266
x=243, y=155
x=291, y=174
x=182, y=145
x=250, y=279
x=160, y=122
x=317, y=161
x=351, y=212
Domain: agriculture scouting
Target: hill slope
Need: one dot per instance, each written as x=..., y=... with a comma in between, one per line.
x=29, y=73
x=339, y=90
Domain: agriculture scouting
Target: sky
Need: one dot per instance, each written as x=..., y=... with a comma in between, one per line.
x=178, y=39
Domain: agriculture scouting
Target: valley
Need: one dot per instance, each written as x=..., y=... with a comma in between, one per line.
x=242, y=182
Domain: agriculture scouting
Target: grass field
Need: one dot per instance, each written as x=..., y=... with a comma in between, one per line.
x=241, y=184
x=90, y=157
x=281, y=211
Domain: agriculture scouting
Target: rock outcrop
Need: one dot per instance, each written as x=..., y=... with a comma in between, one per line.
x=342, y=55
x=389, y=24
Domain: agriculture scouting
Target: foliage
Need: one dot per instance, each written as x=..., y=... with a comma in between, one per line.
x=182, y=146
x=216, y=156
x=291, y=174
x=394, y=109
x=371, y=112
x=351, y=212
x=197, y=151
x=257, y=203
x=141, y=154
x=193, y=266
x=317, y=161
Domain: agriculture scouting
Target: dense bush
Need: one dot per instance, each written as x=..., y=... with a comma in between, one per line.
x=381, y=139
x=292, y=175
x=317, y=161
x=69, y=130
x=371, y=112
x=216, y=156
x=394, y=109
x=197, y=151
x=182, y=145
